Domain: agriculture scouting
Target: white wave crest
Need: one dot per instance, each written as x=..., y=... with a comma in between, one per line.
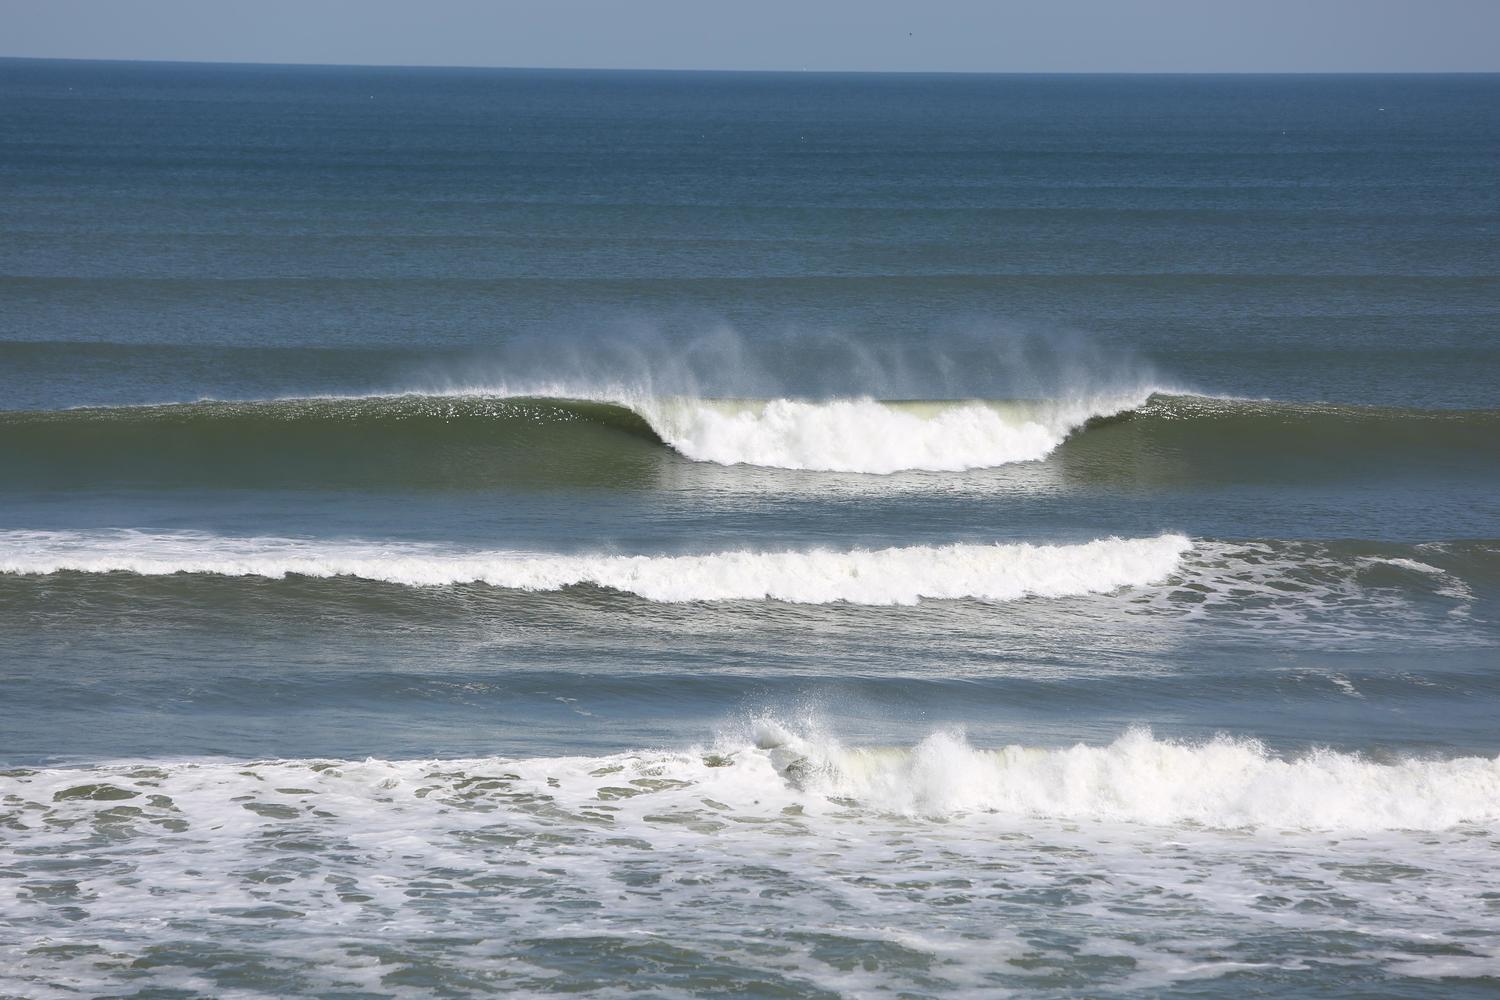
x=1223, y=783
x=862, y=576
x=870, y=436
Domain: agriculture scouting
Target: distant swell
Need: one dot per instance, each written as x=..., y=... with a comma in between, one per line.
x=876, y=576
x=470, y=441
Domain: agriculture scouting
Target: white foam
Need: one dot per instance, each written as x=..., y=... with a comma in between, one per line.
x=1223, y=783
x=1313, y=591
x=941, y=862
x=871, y=436
x=901, y=575
x=1411, y=564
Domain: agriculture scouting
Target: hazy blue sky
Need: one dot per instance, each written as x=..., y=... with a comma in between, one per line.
x=1000, y=35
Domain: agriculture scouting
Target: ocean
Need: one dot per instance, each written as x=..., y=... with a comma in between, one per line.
x=501, y=532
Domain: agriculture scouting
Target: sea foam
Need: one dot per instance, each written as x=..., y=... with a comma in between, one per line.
x=1220, y=783
x=871, y=436
x=1170, y=852
x=898, y=575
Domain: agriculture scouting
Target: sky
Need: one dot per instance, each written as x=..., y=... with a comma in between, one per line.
x=881, y=35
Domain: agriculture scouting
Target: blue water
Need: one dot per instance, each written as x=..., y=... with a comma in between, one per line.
x=747, y=534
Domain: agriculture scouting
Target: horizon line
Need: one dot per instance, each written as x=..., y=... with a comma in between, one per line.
x=251, y=63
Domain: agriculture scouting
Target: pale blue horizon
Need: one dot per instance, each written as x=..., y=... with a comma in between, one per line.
x=1151, y=36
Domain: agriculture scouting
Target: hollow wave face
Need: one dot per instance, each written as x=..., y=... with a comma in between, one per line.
x=898, y=575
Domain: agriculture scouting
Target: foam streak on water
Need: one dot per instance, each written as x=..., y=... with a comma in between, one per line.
x=899, y=575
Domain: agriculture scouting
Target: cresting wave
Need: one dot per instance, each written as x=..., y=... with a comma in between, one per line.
x=873, y=436
x=901, y=575
x=839, y=435
x=1224, y=783
x=474, y=441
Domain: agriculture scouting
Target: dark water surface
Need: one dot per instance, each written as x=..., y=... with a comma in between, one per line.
x=515, y=532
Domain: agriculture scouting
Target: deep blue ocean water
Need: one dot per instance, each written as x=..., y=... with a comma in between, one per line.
x=478, y=531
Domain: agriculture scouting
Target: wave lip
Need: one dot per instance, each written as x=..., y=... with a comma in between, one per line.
x=898, y=575
x=1224, y=783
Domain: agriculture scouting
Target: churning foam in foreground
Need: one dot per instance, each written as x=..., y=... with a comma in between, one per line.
x=901, y=575
x=1224, y=783
x=873, y=436
x=1143, y=863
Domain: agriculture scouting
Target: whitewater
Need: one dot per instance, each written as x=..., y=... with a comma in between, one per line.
x=1223, y=783
x=933, y=856
x=896, y=575
x=873, y=436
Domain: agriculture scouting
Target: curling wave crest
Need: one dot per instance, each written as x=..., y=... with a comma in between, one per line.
x=900, y=575
x=872, y=436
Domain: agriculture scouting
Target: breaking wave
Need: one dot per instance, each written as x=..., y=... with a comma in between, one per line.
x=888, y=576
x=872, y=436
x=843, y=435
x=1222, y=783
x=313, y=861
x=471, y=441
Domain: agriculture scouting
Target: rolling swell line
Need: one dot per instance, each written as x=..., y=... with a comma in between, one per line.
x=475, y=440
x=898, y=575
